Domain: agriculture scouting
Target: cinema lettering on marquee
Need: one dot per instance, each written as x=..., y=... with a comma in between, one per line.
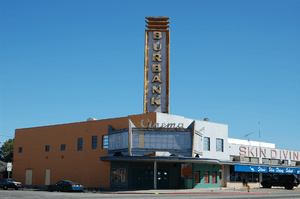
x=147, y=123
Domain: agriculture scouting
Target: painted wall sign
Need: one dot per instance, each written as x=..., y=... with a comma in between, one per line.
x=255, y=169
x=281, y=170
x=147, y=123
x=252, y=151
x=157, y=53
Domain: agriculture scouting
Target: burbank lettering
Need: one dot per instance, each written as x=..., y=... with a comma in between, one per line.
x=156, y=68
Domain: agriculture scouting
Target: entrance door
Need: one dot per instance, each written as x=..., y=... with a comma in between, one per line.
x=142, y=178
x=137, y=178
x=148, y=182
x=47, y=179
x=163, y=179
x=28, y=180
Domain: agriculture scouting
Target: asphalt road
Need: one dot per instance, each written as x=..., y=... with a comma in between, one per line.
x=9, y=194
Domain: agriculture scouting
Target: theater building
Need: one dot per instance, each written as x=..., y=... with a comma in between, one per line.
x=152, y=150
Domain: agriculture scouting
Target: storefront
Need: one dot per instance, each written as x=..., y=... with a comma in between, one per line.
x=150, y=172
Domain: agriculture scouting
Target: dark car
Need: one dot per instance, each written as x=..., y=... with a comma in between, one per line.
x=288, y=181
x=66, y=185
x=6, y=183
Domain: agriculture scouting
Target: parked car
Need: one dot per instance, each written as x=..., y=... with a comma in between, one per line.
x=6, y=183
x=66, y=185
x=288, y=181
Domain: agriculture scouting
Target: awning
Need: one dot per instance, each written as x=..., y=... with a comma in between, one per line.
x=160, y=159
x=264, y=169
x=254, y=169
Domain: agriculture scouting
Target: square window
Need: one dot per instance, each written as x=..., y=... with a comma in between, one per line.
x=118, y=175
x=105, y=142
x=63, y=147
x=20, y=149
x=80, y=143
x=47, y=148
x=94, y=142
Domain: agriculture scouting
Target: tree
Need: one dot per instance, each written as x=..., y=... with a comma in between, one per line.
x=7, y=151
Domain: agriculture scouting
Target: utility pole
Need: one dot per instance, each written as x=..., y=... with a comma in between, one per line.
x=259, y=136
x=260, y=160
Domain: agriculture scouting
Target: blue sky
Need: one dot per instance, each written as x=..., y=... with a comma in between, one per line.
x=234, y=62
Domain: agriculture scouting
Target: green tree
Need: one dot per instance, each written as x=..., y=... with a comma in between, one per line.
x=7, y=151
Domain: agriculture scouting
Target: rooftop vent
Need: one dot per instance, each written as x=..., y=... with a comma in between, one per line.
x=91, y=119
x=206, y=119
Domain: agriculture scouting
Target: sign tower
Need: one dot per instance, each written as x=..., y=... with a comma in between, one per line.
x=157, y=65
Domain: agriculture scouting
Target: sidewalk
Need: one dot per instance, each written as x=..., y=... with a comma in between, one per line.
x=208, y=191
x=194, y=191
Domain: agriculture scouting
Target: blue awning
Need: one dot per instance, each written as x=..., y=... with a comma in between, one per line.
x=255, y=169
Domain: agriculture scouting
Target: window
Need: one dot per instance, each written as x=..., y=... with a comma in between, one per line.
x=206, y=177
x=47, y=148
x=94, y=142
x=122, y=175
x=197, y=176
x=219, y=145
x=214, y=177
x=114, y=175
x=63, y=147
x=187, y=171
x=20, y=149
x=118, y=175
x=80, y=143
x=105, y=142
x=206, y=143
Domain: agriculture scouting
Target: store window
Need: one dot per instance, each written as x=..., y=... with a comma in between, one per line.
x=122, y=175
x=206, y=143
x=236, y=176
x=197, y=176
x=114, y=175
x=80, y=144
x=105, y=142
x=219, y=145
x=118, y=175
x=187, y=171
x=47, y=148
x=94, y=142
x=63, y=147
x=206, y=177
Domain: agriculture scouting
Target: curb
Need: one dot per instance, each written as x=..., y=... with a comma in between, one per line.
x=193, y=193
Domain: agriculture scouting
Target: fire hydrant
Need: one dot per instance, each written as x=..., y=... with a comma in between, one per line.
x=248, y=188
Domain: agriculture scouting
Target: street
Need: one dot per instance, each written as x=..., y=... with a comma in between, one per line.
x=9, y=194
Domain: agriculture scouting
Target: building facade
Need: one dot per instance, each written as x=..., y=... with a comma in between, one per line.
x=153, y=150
